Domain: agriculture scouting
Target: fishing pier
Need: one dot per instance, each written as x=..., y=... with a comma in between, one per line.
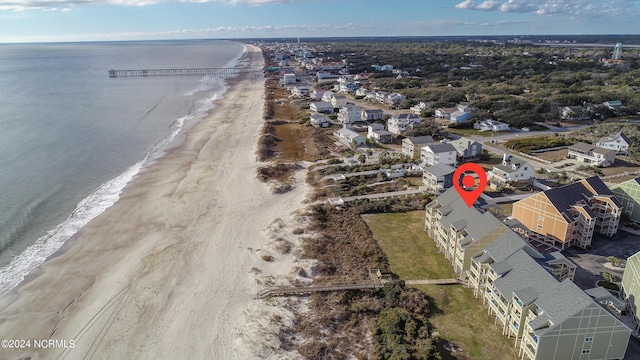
x=218, y=72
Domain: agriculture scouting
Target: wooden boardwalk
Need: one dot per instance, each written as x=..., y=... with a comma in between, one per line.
x=222, y=72
x=376, y=281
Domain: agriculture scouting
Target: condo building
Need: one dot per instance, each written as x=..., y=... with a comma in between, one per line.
x=570, y=214
x=530, y=294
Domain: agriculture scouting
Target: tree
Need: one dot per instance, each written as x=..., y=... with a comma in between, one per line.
x=362, y=158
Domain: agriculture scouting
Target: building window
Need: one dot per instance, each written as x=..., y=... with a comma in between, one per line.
x=586, y=351
x=541, y=218
x=588, y=339
x=539, y=226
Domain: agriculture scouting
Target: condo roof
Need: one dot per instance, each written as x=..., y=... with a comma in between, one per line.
x=565, y=196
x=417, y=140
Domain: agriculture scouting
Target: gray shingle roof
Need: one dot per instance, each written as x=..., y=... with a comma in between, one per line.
x=418, y=140
x=440, y=148
x=502, y=247
x=558, y=303
x=564, y=196
x=614, y=136
x=440, y=169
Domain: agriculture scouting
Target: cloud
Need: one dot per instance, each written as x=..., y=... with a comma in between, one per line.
x=67, y=4
x=575, y=9
x=467, y=4
x=488, y=5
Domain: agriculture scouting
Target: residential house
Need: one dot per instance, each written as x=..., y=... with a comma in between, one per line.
x=619, y=142
x=614, y=105
x=377, y=133
x=381, y=97
x=395, y=99
x=371, y=114
x=300, y=91
x=350, y=137
x=511, y=170
x=362, y=92
x=289, y=79
x=316, y=94
x=399, y=124
x=411, y=145
x=326, y=97
x=459, y=117
x=386, y=68
x=467, y=149
x=321, y=107
x=592, y=154
x=438, y=153
x=349, y=114
x=319, y=120
x=631, y=289
x=420, y=107
x=491, y=125
x=323, y=76
x=628, y=192
x=437, y=178
x=569, y=215
x=541, y=311
x=338, y=101
x=444, y=113
x=576, y=112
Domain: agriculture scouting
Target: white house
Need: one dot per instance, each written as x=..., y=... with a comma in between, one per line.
x=387, y=68
x=437, y=178
x=512, y=169
x=381, y=97
x=467, y=149
x=573, y=113
x=326, y=97
x=378, y=133
x=321, y=107
x=613, y=104
x=444, y=113
x=618, y=142
x=338, y=101
x=592, y=154
x=463, y=108
x=300, y=91
x=349, y=114
x=459, y=116
x=395, y=99
x=362, y=92
x=491, y=125
x=371, y=114
x=399, y=124
x=350, y=137
x=438, y=154
x=289, y=79
x=319, y=120
x=418, y=109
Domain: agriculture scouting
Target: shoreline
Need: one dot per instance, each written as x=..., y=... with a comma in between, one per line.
x=51, y=241
x=168, y=270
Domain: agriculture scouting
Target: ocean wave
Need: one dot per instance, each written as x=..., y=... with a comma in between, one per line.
x=87, y=209
x=204, y=95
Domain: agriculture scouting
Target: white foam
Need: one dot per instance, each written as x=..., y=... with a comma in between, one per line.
x=88, y=209
x=108, y=193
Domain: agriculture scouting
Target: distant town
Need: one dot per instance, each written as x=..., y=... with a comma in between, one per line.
x=551, y=250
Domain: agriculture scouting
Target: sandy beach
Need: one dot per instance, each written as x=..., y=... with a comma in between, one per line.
x=171, y=270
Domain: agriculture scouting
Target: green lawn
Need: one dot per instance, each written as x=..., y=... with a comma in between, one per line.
x=459, y=317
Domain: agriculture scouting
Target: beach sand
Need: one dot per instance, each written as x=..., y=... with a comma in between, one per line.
x=170, y=271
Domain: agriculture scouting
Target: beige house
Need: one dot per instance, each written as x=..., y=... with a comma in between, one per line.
x=411, y=145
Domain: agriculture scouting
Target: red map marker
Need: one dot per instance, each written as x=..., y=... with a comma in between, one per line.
x=464, y=186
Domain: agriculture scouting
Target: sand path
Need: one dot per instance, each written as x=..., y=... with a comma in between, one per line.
x=165, y=273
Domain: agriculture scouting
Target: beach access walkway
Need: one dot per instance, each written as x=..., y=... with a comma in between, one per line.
x=376, y=281
x=342, y=200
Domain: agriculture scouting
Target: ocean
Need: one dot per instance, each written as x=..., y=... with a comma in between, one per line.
x=71, y=137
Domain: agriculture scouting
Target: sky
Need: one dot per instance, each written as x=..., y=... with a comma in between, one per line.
x=106, y=20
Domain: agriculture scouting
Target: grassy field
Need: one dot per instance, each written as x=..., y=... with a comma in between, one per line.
x=459, y=316
x=296, y=142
